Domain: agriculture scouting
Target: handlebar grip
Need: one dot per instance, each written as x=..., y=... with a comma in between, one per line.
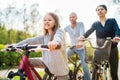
x=10, y=49
x=29, y=47
x=46, y=46
x=26, y=47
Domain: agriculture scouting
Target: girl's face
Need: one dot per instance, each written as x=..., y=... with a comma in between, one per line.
x=49, y=22
x=101, y=11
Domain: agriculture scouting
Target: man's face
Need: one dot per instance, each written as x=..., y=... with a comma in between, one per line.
x=73, y=18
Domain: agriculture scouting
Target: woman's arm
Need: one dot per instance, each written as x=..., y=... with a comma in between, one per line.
x=117, y=31
x=91, y=30
x=116, y=28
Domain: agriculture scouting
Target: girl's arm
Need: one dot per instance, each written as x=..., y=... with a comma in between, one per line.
x=59, y=39
x=30, y=41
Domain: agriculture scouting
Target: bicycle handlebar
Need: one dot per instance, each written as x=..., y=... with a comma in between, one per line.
x=29, y=47
x=46, y=46
x=98, y=47
x=107, y=40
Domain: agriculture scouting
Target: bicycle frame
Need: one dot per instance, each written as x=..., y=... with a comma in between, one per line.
x=25, y=69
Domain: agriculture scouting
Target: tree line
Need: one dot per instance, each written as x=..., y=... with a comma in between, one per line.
x=12, y=35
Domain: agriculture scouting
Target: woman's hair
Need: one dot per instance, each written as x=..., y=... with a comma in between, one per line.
x=103, y=5
x=56, y=26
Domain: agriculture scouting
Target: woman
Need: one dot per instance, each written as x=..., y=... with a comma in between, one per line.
x=106, y=27
x=55, y=60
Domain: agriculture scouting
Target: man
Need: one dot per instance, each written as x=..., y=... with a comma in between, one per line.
x=75, y=30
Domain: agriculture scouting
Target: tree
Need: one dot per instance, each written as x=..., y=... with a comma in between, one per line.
x=21, y=36
x=12, y=34
x=3, y=35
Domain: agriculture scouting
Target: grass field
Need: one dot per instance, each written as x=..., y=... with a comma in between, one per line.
x=18, y=78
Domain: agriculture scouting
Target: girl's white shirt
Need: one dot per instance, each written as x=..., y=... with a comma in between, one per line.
x=56, y=60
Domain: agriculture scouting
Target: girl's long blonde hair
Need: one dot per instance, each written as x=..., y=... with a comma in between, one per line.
x=56, y=26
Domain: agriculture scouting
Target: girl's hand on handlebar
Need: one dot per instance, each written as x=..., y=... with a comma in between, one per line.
x=52, y=45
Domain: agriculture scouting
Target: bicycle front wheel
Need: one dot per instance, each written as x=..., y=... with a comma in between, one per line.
x=80, y=75
x=48, y=77
x=106, y=75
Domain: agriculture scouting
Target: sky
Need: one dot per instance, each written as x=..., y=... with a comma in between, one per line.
x=85, y=9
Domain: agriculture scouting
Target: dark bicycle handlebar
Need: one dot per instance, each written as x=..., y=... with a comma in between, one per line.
x=28, y=47
x=46, y=46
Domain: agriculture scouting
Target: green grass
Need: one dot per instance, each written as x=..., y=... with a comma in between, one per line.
x=18, y=78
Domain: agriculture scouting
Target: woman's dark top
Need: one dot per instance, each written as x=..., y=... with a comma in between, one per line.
x=110, y=29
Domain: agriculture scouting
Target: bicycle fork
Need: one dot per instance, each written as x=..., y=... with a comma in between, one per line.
x=20, y=71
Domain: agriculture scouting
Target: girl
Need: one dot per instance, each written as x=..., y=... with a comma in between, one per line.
x=55, y=59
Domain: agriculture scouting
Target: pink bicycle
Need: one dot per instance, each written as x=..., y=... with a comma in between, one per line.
x=26, y=70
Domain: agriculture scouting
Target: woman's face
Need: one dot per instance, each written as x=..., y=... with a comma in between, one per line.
x=101, y=11
x=49, y=22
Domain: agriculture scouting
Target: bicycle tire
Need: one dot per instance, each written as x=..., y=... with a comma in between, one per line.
x=12, y=74
x=47, y=77
x=77, y=74
x=21, y=78
x=107, y=74
x=35, y=77
x=80, y=76
x=96, y=75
